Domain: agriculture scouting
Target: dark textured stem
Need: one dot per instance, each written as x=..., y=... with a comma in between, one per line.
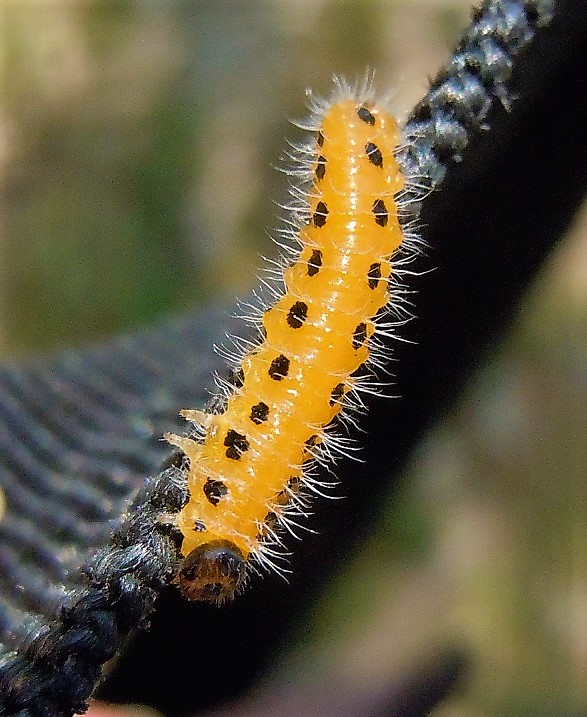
x=461, y=96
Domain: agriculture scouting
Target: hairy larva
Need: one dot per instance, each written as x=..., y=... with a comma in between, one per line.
x=252, y=457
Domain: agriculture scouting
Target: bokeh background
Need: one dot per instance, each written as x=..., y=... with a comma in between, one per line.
x=136, y=148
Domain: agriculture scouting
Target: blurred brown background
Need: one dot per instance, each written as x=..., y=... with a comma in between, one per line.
x=136, y=144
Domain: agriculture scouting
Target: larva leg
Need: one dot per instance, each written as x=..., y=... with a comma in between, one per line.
x=187, y=445
x=200, y=418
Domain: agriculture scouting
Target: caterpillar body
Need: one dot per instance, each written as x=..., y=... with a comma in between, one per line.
x=252, y=459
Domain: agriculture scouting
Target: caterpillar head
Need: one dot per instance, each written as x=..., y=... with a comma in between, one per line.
x=212, y=572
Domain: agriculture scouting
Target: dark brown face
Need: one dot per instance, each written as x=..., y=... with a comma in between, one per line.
x=213, y=572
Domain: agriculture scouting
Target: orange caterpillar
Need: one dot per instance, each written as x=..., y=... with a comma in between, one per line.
x=251, y=463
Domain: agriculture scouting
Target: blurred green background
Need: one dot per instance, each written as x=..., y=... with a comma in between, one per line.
x=136, y=148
